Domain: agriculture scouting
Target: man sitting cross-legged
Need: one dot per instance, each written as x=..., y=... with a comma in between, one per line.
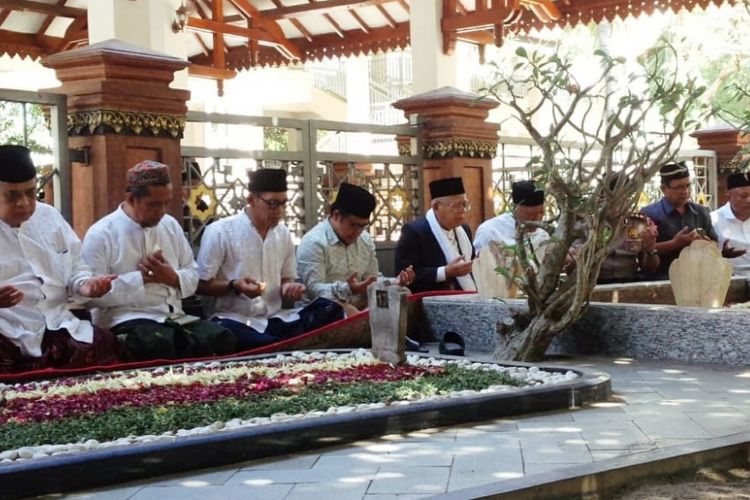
x=336, y=258
x=40, y=270
x=147, y=248
x=247, y=262
x=438, y=246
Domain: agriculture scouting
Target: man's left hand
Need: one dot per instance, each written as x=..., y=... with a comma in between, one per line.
x=406, y=277
x=292, y=291
x=156, y=269
x=730, y=252
x=97, y=286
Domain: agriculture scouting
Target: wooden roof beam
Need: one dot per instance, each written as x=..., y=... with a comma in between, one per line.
x=75, y=33
x=48, y=20
x=270, y=26
x=199, y=9
x=297, y=24
x=361, y=22
x=43, y=8
x=319, y=8
x=338, y=29
x=4, y=13
x=404, y=5
x=210, y=26
x=388, y=19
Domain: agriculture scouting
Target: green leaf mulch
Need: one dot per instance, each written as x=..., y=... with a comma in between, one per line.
x=157, y=420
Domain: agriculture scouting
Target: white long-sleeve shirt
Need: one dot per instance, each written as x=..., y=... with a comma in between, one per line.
x=502, y=229
x=231, y=248
x=116, y=244
x=42, y=259
x=729, y=227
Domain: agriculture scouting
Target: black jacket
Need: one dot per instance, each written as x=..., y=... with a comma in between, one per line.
x=418, y=247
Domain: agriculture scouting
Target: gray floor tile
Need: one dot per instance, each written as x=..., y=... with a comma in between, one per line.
x=339, y=490
x=197, y=479
x=268, y=492
x=420, y=480
x=461, y=479
x=386, y=496
x=571, y=451
x=291, y=476
x=115, y=493
x=615, y=436
x=671, y=427
x=537, y=468
x=285, y=462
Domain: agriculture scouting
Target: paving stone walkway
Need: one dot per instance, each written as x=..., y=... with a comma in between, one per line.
x=656, y=404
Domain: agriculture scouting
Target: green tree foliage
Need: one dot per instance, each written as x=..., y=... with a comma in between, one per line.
x=643, y=122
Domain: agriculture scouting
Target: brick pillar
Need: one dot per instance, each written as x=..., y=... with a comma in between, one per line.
x=457, y=141
x=122, y=109
x=726, y=141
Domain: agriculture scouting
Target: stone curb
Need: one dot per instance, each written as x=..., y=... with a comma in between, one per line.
x=602, y=479
x=120, y=464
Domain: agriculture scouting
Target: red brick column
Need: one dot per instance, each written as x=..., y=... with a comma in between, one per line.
x=726, y=141
x=121, y=108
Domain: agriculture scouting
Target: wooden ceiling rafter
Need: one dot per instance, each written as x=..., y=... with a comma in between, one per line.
x=388, y=18
x=319, y=8
x=404, y=6
x=283, y=44
x=360, y=22
x=297, y=24
x=48, y=20
x=43, y=8
x=4, y=13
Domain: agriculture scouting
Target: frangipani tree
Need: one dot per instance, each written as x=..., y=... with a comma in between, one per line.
x=641, y=124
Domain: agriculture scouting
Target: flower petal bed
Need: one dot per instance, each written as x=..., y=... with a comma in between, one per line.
x=59, y=416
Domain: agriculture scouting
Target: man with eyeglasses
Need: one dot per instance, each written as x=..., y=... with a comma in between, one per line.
x=247, y=262
x=528, y=206
x=679, y=221
x=438, y=246
x=147, y=249
x=337, y=259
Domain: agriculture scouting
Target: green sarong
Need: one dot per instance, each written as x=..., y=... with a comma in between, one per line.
x=148, y=339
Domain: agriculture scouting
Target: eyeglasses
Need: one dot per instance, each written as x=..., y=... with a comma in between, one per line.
x=274, y=204
x=459, y=206
x=356, y=225
x=683, y=187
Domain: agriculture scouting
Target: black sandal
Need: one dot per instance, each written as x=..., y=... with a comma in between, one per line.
x=452, y=344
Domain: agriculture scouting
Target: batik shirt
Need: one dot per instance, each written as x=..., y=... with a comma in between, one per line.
x=324, y=262
x=231, y=248
x=42, y=259
x=669, y=222
x=116, y=244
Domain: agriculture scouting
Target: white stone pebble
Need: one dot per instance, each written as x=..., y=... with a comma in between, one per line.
x=530, y=376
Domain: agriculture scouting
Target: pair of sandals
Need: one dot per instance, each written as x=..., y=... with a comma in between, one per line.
x=452, y=344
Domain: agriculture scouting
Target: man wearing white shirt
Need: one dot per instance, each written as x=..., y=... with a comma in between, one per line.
x=528, y=204
x=732, y=221
x=40, y=270
x=247, y=262
x=147, y=248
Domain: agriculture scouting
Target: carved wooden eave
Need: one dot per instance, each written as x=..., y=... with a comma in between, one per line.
x=225, y=36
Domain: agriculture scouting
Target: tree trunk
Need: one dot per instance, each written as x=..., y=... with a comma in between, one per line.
x=527, y=344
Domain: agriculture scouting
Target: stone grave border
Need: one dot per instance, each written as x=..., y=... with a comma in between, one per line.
x=113, y=465
x=608, y=478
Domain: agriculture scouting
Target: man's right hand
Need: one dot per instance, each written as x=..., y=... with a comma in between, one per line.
x=10, y=296
x=359, y=287
x=458, y=267
x=685, y=237
x=249, y=287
